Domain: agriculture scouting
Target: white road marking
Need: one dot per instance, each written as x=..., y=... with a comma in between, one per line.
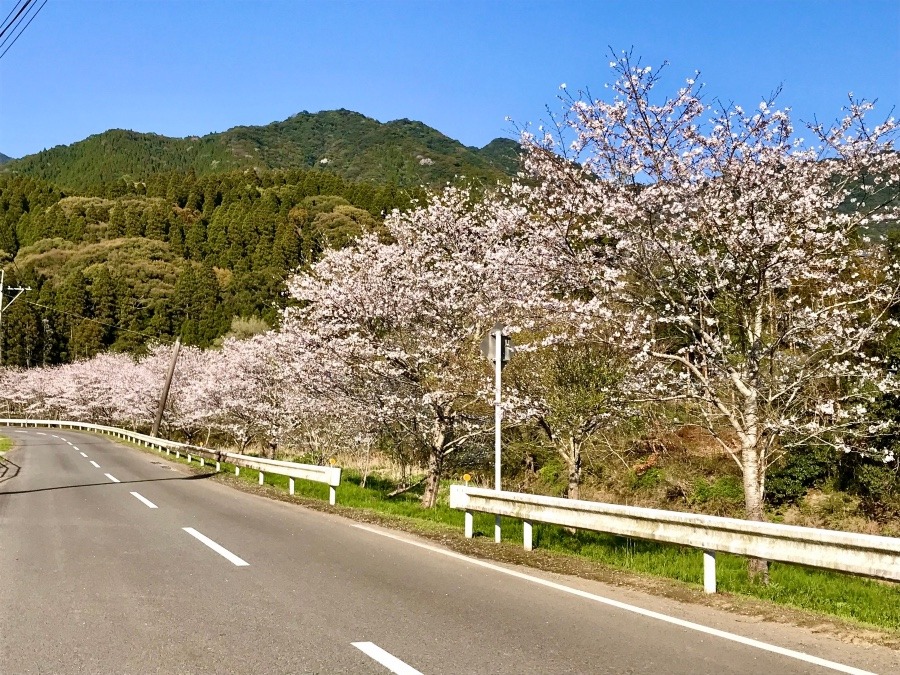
x=40, y=433
x=388, y=660
x=84, y=455
x=790, y=653
x=221, y=550
x=96, y=466
x=20, y=432
x=112, y=478
x=143, y=499
x=74, y=447
x=55, y=436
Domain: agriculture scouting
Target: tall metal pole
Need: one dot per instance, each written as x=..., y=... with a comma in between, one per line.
x=498, y=419
x=165, y=391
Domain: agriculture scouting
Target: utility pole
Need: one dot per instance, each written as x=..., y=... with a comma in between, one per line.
x=165, y=391
x=5, y=305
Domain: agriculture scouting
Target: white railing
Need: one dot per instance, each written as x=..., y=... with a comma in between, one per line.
x=864, y=554
x=330, y=475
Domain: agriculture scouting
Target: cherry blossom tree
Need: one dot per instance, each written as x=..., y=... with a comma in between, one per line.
x=731, y=253
x=574, y=392
x=405, y=318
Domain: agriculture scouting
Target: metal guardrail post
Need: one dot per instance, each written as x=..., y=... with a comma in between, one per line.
x=709, y=571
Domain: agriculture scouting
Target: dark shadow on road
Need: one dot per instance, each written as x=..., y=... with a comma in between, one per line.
x=202, y=476
x=8, y=469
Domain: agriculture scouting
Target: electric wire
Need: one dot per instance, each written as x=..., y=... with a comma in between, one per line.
x=23, y=29
x=6, y=23
x=102, y=323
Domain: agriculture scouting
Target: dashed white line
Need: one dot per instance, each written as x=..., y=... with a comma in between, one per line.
x=221, y=550
x=40, y=433
x=790, y=653
x=74, y=447
x=95, y=465
x=112, y=478
x=84, y=455
x=388, y=660
x=143, y=499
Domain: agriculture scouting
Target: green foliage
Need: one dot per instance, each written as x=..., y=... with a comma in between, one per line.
x=132, y=262
x=243, y=327
x=723, y=495
x=342, y=142
x=877, y=483
x=798, y=471
x=645, y=480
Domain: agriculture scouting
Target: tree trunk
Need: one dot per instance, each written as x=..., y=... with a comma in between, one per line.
x=754, y=466
x=573, y=459
x=433, y=481
x=365, y=476
x=754, y=506
x=435, y=464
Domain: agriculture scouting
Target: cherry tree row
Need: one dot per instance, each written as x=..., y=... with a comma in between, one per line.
x=658, y=251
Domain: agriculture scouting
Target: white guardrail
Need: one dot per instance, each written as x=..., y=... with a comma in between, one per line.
x=863, y=554
x=330, y=475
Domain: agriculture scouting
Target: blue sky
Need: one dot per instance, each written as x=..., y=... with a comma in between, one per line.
x=183, y=67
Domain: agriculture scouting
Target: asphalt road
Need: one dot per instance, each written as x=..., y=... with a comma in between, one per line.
x=190, y=576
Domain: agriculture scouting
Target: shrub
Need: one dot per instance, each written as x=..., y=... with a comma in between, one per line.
x=798, y=471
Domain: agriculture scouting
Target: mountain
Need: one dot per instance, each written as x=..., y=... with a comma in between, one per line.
x=4, y=158
x=355, y=147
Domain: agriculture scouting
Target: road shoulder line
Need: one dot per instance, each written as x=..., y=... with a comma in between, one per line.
x=733, y=637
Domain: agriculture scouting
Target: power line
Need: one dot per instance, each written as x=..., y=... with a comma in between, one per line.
x=7, y=23
x=87, y=318
x=23, y=29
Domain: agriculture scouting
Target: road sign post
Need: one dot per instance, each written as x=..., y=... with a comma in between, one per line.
x=496, y=348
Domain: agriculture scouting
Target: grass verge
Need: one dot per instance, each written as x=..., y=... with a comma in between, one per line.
x=5, y=444
x=675, y=571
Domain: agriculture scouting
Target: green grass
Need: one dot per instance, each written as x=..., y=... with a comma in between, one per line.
x=5, y=444
x=845, y=596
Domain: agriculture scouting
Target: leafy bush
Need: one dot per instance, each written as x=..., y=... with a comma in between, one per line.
x=875, y=482
x=646, y=480
x=722, y=496
x=798, y=471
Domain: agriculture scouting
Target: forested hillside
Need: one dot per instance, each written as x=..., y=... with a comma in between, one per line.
x=4, y=158
x=127, y=263
x=346, y=143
